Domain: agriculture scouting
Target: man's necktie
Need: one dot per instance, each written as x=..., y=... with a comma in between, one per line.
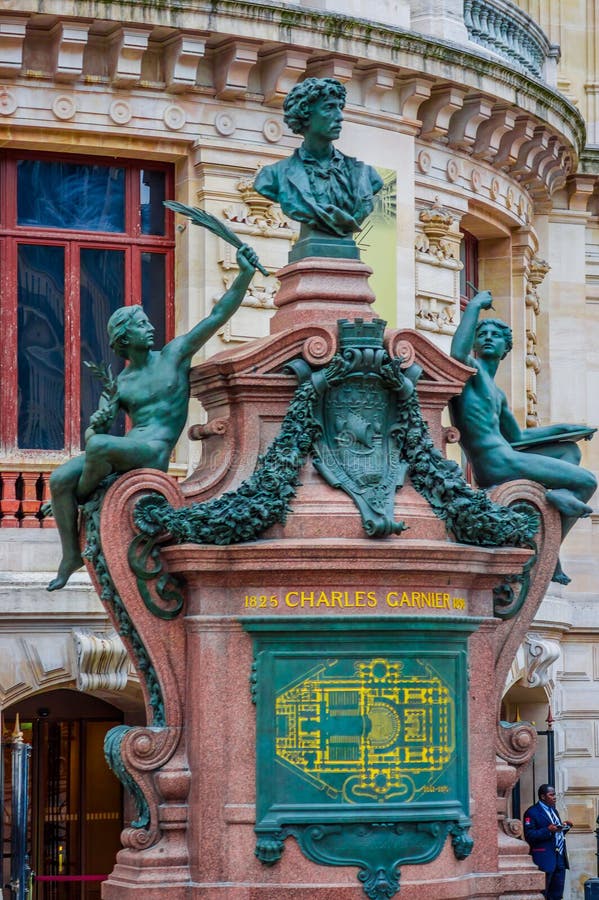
x=559, y=837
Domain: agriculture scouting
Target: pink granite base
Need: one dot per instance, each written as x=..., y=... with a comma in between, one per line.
x=321, y=291
x=221, y=724
x=198, y=771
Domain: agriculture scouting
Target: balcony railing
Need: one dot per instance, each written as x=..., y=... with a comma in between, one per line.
x=501, y=27
x=21, y=498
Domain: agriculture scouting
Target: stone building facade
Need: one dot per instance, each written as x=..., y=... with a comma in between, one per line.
x=482, y=118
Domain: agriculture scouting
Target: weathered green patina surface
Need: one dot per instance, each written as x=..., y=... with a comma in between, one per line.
x=154, y=392
x=363, y=742
x=498, y=449
x=328, y=192
x=361, y=417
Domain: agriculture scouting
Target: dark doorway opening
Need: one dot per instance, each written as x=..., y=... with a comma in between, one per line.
x=75, y=801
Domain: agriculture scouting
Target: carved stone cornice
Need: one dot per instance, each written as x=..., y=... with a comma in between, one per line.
x=266, y=29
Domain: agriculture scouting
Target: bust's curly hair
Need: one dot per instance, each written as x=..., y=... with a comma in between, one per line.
x=503, y=328
x=300, y=99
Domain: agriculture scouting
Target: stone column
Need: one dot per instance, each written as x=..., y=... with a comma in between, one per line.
x=537, y=271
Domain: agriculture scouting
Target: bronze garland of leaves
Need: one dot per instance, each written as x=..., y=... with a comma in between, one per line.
x=471, y=516
x=145, y=563
x=264, y=499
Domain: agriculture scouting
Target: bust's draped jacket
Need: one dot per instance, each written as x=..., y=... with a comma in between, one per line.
x=288, y=182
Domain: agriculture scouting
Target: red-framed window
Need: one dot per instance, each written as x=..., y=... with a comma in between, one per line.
x=469, y=273
x=79, y=237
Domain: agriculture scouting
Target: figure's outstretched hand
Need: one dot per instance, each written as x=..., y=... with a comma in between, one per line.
x=247, y=259
x=483, y=299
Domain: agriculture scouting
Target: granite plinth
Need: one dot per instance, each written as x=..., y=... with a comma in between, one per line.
x=322, y=290
x=334, y=579
x=196, y=762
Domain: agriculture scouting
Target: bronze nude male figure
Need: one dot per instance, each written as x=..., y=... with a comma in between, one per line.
x=153, y=389
x=325, y=190
x=497, y=448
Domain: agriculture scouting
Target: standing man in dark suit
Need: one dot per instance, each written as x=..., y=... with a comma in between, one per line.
x=544, y=831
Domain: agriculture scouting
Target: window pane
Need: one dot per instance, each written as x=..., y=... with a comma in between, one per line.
x=152, y=192
x=102, y=276
x=68, y=195
x=153, y=293
x=40, y=347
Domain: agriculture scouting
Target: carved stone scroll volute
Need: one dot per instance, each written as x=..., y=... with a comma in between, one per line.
x=516, y=742
x=150, y=762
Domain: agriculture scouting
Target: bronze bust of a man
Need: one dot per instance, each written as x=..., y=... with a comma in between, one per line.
x=325, y=190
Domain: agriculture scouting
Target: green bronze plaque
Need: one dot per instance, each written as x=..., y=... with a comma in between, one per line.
x=362, y=739
x=370, y=728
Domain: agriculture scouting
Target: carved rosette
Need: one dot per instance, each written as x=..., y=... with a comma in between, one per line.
x=513, y=828
x=536, y=273
x=437, y=270
x=516, y=742
x=516, y=745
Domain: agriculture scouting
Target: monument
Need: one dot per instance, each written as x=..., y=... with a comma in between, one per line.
x=324, y=616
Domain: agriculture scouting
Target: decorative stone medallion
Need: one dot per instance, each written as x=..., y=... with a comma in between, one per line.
x=272, y=130
x=120, y=112
x=225, y=124
x=424, y=161
x=8, y=102
x=453, y=170
x=64, y=107
x=174, y=117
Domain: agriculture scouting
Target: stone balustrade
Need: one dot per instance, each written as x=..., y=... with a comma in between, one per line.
x=503, y=28
x=21, y=497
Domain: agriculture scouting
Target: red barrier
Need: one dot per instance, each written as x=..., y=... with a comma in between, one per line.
x=70, y=877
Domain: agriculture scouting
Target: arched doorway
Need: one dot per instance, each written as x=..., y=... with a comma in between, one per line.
x=531, y=704
x=76, y=803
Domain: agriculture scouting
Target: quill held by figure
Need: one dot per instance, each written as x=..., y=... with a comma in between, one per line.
x=207, y=220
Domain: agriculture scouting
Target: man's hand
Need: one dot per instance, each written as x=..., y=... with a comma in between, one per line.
x=102, y=419
x=483, y=299
x=247, y=259
x=553, y=828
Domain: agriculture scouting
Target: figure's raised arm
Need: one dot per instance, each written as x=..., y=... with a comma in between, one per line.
x=190, y=343
x=463, y=339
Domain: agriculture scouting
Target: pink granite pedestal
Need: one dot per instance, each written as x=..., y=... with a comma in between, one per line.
x=198, y=767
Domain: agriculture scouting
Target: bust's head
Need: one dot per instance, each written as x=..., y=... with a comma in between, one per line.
x=325, y=94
